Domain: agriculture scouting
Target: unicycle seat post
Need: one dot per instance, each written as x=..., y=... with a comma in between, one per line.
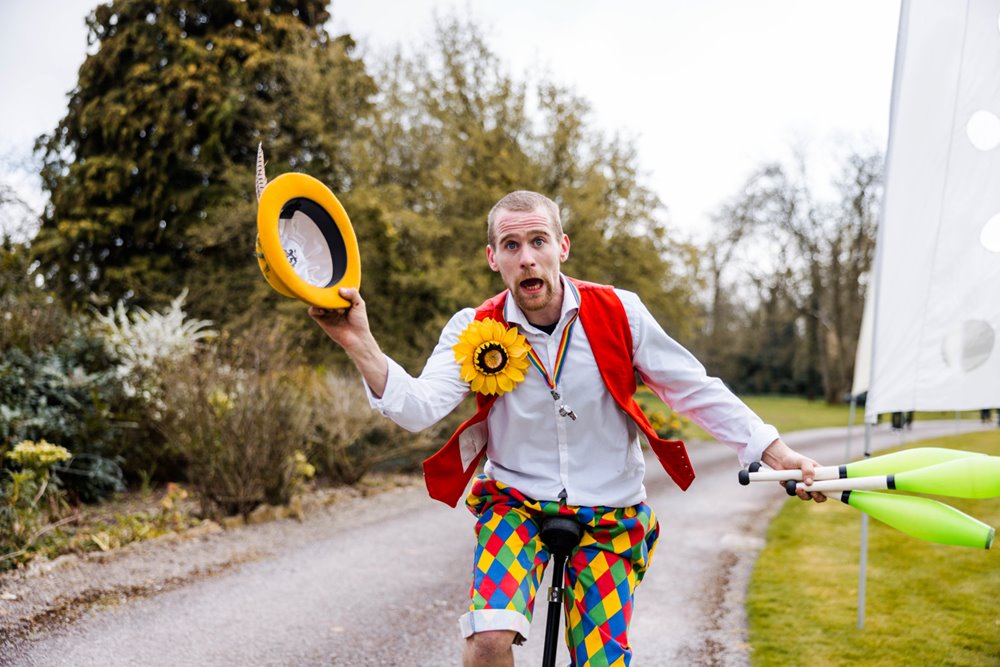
x=560, y=535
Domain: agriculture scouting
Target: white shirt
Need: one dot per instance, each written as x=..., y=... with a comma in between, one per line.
x=595, y=459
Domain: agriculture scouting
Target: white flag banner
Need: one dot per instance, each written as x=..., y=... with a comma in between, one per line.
x=863, y=355
x=937, y=296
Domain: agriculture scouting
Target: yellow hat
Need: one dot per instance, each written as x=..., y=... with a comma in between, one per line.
x=306, y=246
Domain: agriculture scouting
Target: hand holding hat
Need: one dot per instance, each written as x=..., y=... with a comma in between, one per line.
x=306, y=246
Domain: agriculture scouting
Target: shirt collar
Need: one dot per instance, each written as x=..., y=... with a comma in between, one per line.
x=571, y=303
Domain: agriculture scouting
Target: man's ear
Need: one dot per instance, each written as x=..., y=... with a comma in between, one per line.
x=564, y=248
x=490, y=259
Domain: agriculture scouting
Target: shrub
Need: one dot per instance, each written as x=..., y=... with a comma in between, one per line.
x=90, y=478
x=349, y=438
x=668, y=424
x=30, y=498
x=30, y=318
x=240, y=418
x=143, y=344
x=62, y=394
x=89, y=381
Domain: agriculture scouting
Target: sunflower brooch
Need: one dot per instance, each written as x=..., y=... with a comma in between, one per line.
x=493, y=358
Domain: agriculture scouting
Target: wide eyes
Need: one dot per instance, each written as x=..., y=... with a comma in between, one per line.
x=538, y=242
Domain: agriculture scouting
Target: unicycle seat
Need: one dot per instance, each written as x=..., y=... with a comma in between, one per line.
x=561, y=534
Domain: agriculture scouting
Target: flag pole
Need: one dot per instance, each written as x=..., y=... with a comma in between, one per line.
x=904, y=10
x=850, y=427
x=863, y=556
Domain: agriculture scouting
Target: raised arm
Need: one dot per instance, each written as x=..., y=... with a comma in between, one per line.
x=412, y=402
x=348, y=327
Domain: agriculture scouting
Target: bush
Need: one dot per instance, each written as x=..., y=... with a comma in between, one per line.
x=32, y=319
x=90, y=478
x=668, y=424
x=349, y=438
x=63, y=394
x=30, y=498
x=143, y=344
x=61, y=382
x=240, y=418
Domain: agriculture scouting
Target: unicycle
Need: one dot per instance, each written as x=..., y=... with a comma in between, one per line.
x=560, y=534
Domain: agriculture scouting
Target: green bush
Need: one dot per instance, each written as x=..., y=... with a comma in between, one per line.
x=63, y=394
x=30, y=498
x=31, y=319
x=90, y=478
x=58, y=382
x=349, y=439
x=126, y=389
x=238, y=415
x=668, y=424
x=142, y=345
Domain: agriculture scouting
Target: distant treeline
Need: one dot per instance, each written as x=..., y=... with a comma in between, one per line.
x=150, y=177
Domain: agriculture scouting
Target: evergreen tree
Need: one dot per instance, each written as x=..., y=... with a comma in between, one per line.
x=150, y=173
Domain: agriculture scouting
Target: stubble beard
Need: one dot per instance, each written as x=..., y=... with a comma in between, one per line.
x=537, y=301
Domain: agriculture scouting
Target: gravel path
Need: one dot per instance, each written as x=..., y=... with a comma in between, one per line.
x=381, y=581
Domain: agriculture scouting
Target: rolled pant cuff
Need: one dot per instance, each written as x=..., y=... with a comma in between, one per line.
x=483, y=620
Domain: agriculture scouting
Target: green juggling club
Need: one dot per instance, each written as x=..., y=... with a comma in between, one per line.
x=922, y=518
x=886, y=464
x=973, y=477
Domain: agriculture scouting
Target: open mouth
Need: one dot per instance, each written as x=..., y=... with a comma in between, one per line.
x=532, y=285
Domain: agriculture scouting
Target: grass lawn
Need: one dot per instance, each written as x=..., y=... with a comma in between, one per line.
x=794, y=413
x=927, y=604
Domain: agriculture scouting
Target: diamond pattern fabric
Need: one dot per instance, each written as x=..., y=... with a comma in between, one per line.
x=601, y=575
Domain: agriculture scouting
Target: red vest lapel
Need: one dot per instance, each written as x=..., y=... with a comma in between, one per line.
x=604, y=319
x=449, y=470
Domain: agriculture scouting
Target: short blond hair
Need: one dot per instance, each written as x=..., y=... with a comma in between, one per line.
x=522, y=201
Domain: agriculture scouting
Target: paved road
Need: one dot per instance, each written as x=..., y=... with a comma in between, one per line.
x=385, y=588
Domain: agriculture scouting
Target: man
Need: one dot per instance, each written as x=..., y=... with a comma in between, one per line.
x=559, y=428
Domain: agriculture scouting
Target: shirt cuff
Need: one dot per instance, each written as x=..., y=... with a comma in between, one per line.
x=760, y=438
x=394, y=395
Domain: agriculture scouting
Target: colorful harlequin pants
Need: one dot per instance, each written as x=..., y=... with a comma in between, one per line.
x=601, y=574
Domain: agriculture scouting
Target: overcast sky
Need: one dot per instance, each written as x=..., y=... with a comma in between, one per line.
x=708, y=89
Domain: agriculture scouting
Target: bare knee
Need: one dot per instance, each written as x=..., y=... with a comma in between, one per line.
x=489, y=649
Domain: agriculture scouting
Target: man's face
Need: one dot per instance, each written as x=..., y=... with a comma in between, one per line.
x=527, y=255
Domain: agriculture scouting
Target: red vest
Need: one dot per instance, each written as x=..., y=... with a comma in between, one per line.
x=603, y=317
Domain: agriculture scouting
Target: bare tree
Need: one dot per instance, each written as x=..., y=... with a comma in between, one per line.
x=18, y=219
x=813, y=258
